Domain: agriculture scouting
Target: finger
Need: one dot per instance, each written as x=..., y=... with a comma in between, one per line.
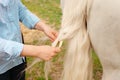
x=53, y=54
x=52, y=37
x=51, y=40
x=57, y=49
x=48, y=58
x=55, y=33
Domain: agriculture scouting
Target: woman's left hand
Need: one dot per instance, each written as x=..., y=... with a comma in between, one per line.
x=51, y=33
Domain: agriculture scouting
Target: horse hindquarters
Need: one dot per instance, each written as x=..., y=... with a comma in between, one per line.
x=104, y=30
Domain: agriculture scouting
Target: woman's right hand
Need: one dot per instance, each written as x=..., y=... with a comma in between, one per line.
x=43, y=52
x=47, y=52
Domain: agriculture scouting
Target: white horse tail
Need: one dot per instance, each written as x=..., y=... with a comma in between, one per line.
x=78, y=63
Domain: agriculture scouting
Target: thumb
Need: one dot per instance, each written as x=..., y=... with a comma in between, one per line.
x=57, y=49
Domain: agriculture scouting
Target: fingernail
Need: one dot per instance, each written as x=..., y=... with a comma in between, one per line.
x=58, y=49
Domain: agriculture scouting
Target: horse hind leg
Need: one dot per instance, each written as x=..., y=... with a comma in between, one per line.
x=104, y=30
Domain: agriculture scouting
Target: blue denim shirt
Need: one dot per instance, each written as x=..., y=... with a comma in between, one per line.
x=11, y=12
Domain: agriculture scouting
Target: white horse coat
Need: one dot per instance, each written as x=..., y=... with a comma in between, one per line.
x=104, y=31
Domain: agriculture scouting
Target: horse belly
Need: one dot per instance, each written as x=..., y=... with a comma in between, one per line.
x=104, y=31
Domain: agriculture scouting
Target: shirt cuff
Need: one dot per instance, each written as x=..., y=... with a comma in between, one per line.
x=13, y=50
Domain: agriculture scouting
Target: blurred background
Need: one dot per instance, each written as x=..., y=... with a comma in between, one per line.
x=50, y=12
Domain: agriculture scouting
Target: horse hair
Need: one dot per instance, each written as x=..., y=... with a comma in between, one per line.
x=77, y=63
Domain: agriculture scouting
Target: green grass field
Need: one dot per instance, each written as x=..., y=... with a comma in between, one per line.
x=50, y=12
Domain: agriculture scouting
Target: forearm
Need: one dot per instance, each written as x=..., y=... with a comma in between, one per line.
x=29, y=50
x=40, y=26
x=43, y=52
x=27, y=17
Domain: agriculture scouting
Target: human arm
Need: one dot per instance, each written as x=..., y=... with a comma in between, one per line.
x=43, y=52
x=51, y=33
x=32, y=21
x=26, y=17
x=10, y=50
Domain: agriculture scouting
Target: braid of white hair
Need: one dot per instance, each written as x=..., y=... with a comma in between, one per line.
x=77, y=63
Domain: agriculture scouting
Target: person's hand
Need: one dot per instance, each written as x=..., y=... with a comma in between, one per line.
x=47, y=52
x=43, y=52
x=51, y=33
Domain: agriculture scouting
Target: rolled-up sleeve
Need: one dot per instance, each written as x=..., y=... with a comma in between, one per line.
x=9, y=49
x=26, y=17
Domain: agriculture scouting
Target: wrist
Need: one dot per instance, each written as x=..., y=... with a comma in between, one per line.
x=29, y=50
x=40, y=26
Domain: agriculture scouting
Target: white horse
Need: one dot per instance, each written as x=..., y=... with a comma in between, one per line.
x=96, y=22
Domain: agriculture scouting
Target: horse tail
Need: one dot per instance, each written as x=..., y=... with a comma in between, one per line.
x=78, y=62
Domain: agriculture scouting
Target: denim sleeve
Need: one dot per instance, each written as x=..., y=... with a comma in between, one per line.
x=9, y=49
x=26, y=17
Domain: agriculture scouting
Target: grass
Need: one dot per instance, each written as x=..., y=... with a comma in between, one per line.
x=50, y=12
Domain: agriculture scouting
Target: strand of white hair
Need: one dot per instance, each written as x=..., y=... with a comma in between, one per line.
x=77, y=63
